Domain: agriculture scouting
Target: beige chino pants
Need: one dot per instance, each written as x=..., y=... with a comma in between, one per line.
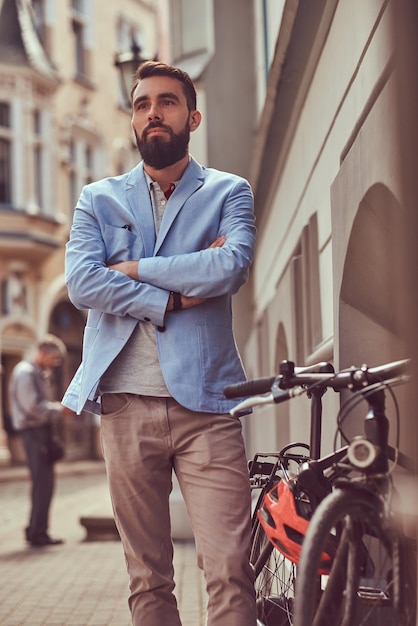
x=144, y=440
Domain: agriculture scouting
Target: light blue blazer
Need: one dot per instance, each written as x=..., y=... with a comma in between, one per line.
x=113, y=222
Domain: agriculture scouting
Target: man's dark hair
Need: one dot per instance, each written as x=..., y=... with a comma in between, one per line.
x=156, y=68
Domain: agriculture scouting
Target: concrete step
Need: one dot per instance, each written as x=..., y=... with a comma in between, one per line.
x=100, y=524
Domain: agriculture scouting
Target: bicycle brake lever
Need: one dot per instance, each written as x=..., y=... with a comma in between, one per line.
x=250, y=402
x=280, y=395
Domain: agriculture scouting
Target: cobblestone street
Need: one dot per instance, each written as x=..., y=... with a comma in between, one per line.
x=79, y=583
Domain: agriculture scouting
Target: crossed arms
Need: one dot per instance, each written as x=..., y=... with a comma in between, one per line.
x=131, y=269
x=141, y=289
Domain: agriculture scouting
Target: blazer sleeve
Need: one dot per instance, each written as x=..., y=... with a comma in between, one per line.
x=91, y=285
x=214, y=271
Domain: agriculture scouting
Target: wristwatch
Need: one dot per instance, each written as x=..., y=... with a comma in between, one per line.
x=176, y=300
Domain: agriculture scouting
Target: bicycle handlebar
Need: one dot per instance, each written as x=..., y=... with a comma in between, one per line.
x=270, y=398
x=257, y=386
x=286, y=386
x=251, y=387
x=359, y=377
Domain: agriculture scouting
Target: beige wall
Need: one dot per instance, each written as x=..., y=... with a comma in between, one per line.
x=339, y=143
x=346, y=73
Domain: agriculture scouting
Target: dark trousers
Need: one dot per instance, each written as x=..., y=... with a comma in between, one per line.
x=42, y=476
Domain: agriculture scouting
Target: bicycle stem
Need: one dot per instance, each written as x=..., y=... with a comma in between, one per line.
x=316, y=422
x=376, y=429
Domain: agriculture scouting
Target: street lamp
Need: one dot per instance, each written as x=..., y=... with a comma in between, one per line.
x=127, y=64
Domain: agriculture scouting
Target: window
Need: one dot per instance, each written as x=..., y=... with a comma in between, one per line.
x=88, y=164
x=306, y=292
x=74, y=187
x=4, y=115
x=130, y=38
x=81, y=25
x=268, y=19
x=264, y=344
x=193, y=33
x=83, y=164
x=80, y=62
x=38, y=12
x=38, y=159
x=5, y=172
x=191, y=21
x=128, y=35
x=5, y=155
x=14, y=294
x=44, y=15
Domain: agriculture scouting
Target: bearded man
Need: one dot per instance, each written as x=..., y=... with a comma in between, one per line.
x=156, y=255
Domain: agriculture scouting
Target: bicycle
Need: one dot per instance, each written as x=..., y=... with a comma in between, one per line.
x=372, y=577
x=274, y=573
x=316, y=481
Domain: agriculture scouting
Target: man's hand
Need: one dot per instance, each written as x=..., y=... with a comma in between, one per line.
x=187, y=302
x=218, y=243
x=130, y=268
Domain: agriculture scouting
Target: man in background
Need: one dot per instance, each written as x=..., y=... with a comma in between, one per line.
x=33, y=413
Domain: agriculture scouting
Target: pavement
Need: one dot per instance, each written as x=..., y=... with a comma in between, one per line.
x=79, y=583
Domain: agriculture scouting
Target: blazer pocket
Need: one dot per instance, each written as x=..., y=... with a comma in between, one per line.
x=219, y=360
x=119, y=244
x=90, y=334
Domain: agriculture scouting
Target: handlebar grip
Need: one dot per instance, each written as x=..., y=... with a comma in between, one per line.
x=252, y=387
x=389, y=370
x=361, y=377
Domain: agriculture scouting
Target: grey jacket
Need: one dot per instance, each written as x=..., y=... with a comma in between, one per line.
x=30, y=405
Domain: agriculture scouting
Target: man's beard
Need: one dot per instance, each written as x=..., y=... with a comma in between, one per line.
x=158, y=153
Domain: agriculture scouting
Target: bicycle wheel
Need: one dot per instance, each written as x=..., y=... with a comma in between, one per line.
x=274, y=574
x=373, y=575
x=274, y=580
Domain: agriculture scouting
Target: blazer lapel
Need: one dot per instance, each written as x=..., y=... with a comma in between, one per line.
x=191, y=180
x=139, y=200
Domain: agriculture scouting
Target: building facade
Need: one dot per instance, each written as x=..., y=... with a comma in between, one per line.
x=63, y=122
x=328, y=282
x=299, y=96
